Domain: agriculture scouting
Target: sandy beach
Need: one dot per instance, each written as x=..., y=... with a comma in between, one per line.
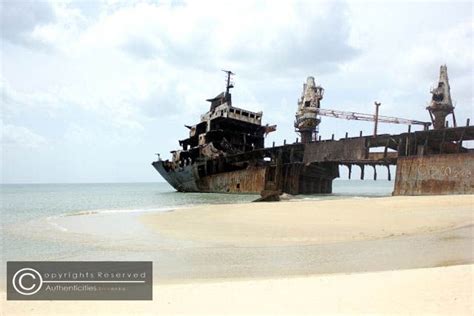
x=315, y=222
x=391, y=255
x=433, y=291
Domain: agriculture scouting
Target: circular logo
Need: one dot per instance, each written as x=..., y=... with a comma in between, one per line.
x=27, y=281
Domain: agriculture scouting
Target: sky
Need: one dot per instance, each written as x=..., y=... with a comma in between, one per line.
x=91, y=90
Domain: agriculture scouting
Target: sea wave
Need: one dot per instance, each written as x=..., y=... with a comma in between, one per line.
x=52, y=221
x=118, y=211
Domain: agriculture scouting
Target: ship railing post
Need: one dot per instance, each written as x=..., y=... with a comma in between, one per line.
x=460, y=140
x=377, y=105
x=386, y=148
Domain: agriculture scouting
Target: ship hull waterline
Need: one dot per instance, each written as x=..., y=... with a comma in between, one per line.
x=294, y=178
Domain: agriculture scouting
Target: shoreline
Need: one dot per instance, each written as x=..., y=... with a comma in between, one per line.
x=361, y=255
x=268, y=240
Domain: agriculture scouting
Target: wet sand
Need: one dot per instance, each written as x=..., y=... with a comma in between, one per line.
x=364, y=255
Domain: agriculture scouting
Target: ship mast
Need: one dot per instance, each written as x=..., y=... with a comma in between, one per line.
x=228, y=86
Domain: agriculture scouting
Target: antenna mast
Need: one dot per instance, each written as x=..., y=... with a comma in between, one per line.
x=229, y=82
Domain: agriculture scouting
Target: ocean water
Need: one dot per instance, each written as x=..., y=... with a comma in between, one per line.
x=32, y=215
x=22, y=202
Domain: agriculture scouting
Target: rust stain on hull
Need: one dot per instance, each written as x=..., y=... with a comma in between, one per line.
x=437, y=174
x=250, y=180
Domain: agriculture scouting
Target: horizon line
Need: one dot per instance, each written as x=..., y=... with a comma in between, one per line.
x=156, y=182
x=106, y=182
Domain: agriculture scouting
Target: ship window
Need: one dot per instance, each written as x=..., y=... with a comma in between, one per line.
x=222, y=113
x=252, y=116
x=258, y=117
x=307, y=103
x=245, y=114
x=231, y=110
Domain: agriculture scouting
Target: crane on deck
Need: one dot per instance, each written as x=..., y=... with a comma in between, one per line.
x=369, y=117
x=307, y=121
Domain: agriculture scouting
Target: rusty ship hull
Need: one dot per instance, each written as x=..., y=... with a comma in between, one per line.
x=275, y=169
x=225, y=152
x=187, y=179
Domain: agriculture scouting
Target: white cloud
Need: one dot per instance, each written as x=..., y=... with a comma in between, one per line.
x=16, y=102
x=400, y=58
x=21, y=136
x=208, y=34
x=85, y=136
x=20, y=18
x=140, y=56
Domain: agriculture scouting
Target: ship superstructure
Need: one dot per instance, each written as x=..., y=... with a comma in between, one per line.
x=223, y=130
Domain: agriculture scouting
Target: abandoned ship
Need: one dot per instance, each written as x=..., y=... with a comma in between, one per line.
x=225, y=151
